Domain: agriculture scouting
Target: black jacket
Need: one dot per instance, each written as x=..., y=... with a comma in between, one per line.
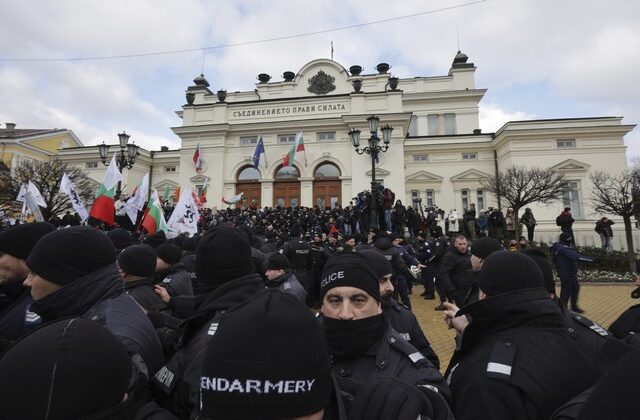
x=456, y=273
x=384, y=246
x=299, y=254
x=15, y=317
x=516, y=360
x=142, y=291
x=178, y=382
x=100, y=296
x=289, y=283
x=176, y=280
x=392, y=356
x=406, y=324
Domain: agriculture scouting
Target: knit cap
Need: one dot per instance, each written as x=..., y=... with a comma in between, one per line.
x=138, y=260
x=278, y=262
x=169, y=253
x=266, y=359
x=68, y=369
x=349, y=269
x=18, y=241
x=505, y=271
x=483, y=247
x=222, y=255
x=65, y=255
x=379, y=262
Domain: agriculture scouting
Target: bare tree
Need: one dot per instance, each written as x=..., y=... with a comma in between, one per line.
x=46, y=176
x=617, y=194
x=520, y=186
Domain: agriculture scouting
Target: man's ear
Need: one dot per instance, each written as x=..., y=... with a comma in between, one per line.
x=379, y=308
x=481, y=295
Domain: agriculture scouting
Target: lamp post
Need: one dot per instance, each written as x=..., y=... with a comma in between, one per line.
x=125, y=157
x=373, y=149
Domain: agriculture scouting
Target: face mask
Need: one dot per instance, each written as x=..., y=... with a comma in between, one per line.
x=352, y=338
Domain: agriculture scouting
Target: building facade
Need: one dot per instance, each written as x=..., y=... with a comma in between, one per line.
x=437, y=152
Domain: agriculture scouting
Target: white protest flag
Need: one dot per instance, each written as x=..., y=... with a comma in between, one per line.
x=185, y=215
x=21, y=193
x=35, y=193
x=113, y=175
x=136, y=203
x=67, y=187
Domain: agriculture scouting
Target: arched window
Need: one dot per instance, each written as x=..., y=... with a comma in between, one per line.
x=327, y=170
x=287, y=173
x=249, y=174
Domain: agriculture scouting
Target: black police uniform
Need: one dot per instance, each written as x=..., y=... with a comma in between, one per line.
x=406, y=324
x=392, y=356
x=516, y=360
x=298, y=252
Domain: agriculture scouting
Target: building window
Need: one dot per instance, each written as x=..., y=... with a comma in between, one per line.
x=480, y=199
x=326, y=136
x=470, y=156
x=413, y=126
x=465, y=199
x=169, y=168
x=249, y=173
x=248, y=140
x=430, y=200
x=92, y=165
x=450, y=124
x=571, y=198
x=566, y=144
x=327, y=170
x=420, y=158
x=286, y=138
x=433, y=124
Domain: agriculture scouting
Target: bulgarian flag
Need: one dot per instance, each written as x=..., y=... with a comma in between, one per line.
x=197, y=159
x=103, y=207
x=153, y=220
x=297, y=146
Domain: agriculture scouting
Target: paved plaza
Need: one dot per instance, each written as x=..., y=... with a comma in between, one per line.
x=602, y=302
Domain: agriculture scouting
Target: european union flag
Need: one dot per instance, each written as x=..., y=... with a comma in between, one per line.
x=256, y=154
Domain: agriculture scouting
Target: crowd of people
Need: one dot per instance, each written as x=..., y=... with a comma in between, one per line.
x=303, y=313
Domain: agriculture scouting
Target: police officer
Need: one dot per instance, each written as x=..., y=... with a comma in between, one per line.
x=516, y=358
x=399, y=316
x=298, y=252
x=401, y=272
x=361, y=343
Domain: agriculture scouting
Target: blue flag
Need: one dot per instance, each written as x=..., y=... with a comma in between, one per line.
x=256, y=154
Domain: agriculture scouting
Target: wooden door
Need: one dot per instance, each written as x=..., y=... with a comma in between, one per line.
x=286, y=193
x=327, y=193
x=252, y=191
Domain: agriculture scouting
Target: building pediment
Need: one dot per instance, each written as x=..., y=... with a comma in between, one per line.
x=162, y=185
x=379, y=172
x=571, y=165
x=470, y=175
x=423, y=176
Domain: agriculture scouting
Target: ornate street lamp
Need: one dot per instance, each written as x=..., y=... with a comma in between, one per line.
x=373, y=149
x=125, y=157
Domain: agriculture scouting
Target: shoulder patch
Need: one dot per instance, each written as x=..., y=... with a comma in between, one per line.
x=165, y=378
x=167, y=280
x=501, y=361
x=286, y=285
x=212, y=328
x=593, y=326
x=31, y=318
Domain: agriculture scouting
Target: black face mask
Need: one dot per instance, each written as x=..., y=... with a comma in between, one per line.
x=352, y=338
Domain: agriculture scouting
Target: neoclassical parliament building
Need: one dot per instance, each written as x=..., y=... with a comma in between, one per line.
x=436, y=151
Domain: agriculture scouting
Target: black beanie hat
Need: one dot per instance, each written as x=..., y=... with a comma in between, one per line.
x=138, y=260
x=545, y=266
x=223, y=254
x=267, y=358
x=379, y=262
x=349, y=269
x=189, y=244
x=18, y=241
x=169, y=253
x=565, y=238
x=67, y=254
x=278, y=262
x=505, y=271
x=68, y=369
x=483, y=247
x=120, y=237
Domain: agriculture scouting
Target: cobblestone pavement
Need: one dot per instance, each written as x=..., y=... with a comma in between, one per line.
x=603, y=303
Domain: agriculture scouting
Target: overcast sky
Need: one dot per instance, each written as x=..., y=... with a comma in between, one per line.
x=537, y=58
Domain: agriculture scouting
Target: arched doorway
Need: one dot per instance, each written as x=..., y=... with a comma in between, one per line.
x=248, y=182
x=327, y=187
x=286, y=187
